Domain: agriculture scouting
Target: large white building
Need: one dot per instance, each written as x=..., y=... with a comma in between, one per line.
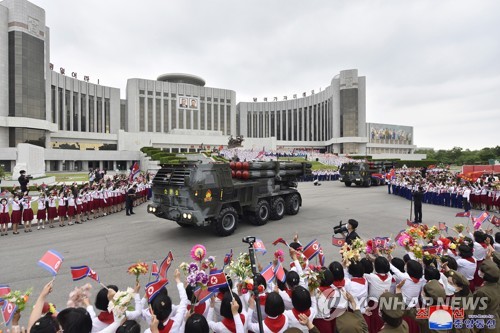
x=82, y=124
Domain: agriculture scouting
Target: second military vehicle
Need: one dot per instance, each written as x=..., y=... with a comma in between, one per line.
x=220, y=194
x=364, y=174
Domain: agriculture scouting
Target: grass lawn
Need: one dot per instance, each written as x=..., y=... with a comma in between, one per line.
x=69, y=177
x=315, y=165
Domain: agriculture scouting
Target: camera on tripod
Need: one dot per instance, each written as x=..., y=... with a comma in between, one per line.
x=249, y=240
x=339, y=229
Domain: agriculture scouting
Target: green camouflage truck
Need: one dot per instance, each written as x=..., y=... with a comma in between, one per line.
x=221, y=194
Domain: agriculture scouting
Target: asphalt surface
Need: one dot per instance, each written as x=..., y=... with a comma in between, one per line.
x=109, y=245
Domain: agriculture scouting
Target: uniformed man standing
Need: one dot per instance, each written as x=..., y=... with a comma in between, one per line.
x=23, y=181
x=417, y=204
x=490, y=293
x=129, y=204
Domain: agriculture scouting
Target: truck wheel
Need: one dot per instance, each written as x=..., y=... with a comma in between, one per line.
x=292, y=204
x=278, y=208
x=262, y=213
x=367, y=183
x=348, y=184
x=226, y=222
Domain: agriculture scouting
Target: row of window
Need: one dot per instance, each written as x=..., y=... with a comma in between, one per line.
x=211, y=117
x=174, y=95
x=313, y=123
x=74, y=111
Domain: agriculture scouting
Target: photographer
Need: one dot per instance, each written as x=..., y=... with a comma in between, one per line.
x=24, y=180
x=349, y=230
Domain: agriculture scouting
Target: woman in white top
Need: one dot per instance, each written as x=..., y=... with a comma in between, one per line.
x=27, y=204
x=466, y=263
x=41, y=214
x=234, y=319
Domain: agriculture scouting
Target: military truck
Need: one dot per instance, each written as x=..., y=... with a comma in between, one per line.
x=364, y=174
x=221, y=194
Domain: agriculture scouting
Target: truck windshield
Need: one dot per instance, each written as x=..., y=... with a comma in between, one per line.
x=350, y=167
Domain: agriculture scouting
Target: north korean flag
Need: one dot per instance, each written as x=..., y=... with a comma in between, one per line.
x=51, y=261
x=480, y=219
x=399, y=235
x=154, y=268
x=259, y=246
x=443, y=226
x=268, y=273
x=311, y=250
x=338, y=242
x=280, y=240
x=321, y=257
x=79, y=272
x=202, y=295
x=165, y=265
x=93, y=275
x=430, y=249
x=279, y=272
x=216, y=280
x=463, y=214
x=228, y=258
x=381, y=241
x=153, y=288
x=8, y=311
x=495, y=220
x=4, y=290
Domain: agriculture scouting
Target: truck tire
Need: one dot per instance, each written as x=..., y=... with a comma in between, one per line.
x=262, y=213
x=347, y=184
x=225, y=224
x=367, y=183
x=292, y=204
x=278, y=208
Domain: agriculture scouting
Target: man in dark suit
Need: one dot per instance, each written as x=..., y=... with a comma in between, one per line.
x=23, y=181
x=129, y=203
x=351, y=231
x=417, y=203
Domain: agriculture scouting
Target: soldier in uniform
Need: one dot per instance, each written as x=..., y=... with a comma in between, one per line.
x=434, y=294
x=417, y=199
x=392, y=310
x=490, y=292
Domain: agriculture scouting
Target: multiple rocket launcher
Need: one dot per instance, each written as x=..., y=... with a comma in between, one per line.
x=269, y=169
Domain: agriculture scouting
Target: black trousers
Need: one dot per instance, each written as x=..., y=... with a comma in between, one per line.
x=129, y=206
x=418, y=212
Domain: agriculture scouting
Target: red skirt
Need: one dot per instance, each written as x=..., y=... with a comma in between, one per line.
x=28, y=215
x=79, y=209
x=61, y=211
x=323, y=325
x=374, y=321
x=52, y=212
x=412, y=325
x=41, y=214
x=4, y=218
x=85, y=207
x=472, y=286
x=15, y=218
x=71, y=211
x=477, y=280
x=484, y=199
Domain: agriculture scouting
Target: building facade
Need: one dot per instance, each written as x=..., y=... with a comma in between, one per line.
x=82, y=124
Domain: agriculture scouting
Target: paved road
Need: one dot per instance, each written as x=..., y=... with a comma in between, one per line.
x=110, y=244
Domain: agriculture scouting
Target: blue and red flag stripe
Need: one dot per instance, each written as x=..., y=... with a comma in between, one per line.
x=268, y=273
x=79, y=272
x=311, y=250
x=51, y=261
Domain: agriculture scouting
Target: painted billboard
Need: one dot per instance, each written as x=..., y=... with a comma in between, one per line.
x=392, y=134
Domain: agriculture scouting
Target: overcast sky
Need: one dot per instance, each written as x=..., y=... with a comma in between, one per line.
x=433, y=65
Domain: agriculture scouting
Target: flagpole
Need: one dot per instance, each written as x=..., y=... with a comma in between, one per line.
x=102, y=285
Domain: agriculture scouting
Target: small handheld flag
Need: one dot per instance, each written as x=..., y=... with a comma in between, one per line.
x=495, y=220
x=430, y=249
x=4, y=290
x=399, y=235
x=279, y=272
x=463, y=214
x=321, y=257
x=202, y=295
x=259, y=246
x=216, y=280
x=268, y=273
x=280, y=240
x=93, y=275
x=311, y=250
x=165, y=265
x=51, y=261
x=443, y=226
x=338, y=242
x=8, y=311
x=480, y=219
x=154, y=268
x=79, y=272
x=228, y=258
x=153, y=288
x=381, y=241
